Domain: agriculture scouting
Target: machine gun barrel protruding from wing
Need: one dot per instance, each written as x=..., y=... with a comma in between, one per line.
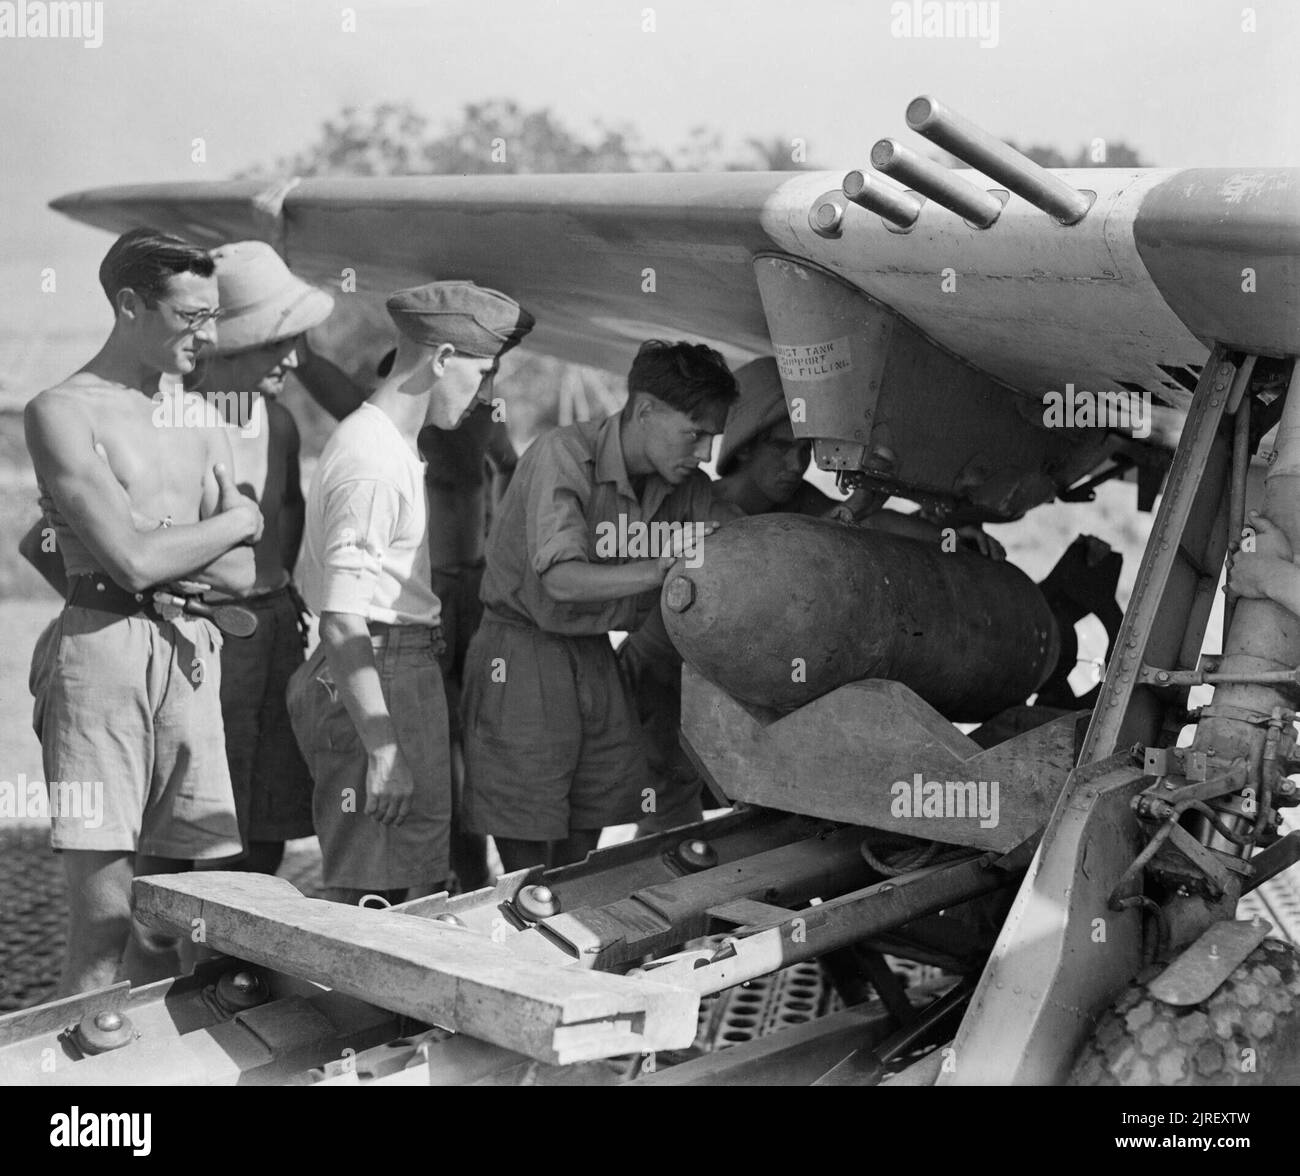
x=937, y=182
x=899, y=208
x=997, y=160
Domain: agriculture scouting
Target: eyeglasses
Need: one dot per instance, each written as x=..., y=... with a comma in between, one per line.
x=193, y=319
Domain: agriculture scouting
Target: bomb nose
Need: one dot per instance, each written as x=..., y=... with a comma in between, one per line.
x=679, y=593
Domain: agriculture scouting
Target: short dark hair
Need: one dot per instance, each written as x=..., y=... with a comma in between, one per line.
x=144, y=260
x=690, y=377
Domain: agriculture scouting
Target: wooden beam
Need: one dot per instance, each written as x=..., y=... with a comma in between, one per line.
x=437, y=973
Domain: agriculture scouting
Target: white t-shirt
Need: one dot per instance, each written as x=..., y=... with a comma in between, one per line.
x=365, y=544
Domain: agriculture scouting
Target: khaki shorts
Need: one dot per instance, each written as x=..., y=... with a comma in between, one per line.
x=357, y=851
x=555, y=746
x=132, y=707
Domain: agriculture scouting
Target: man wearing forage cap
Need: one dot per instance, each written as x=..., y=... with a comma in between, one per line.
x=368, y=707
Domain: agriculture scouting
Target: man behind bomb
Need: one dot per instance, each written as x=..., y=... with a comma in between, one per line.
x=553, y=749
x=122, y=695
x=761, y=467
x=369, y=708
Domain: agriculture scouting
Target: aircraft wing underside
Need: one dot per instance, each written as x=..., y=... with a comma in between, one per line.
x=1129, y=298
x=605, y=260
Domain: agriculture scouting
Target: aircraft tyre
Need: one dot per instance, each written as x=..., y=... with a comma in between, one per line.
x=1246, y=1034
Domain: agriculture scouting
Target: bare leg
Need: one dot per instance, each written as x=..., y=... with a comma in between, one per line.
x=152, y=955
x=99, y=917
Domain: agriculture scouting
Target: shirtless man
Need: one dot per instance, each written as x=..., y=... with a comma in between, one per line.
x=124, y=698
x=264, y=308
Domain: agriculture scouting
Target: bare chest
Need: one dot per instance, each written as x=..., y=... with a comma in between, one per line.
x=163, y=466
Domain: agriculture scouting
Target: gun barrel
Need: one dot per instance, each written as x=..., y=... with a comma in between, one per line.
x=935, y=181
x=998, y=161
x=896, y=207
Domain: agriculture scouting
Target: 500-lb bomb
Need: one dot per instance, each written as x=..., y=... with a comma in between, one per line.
x=783, y=609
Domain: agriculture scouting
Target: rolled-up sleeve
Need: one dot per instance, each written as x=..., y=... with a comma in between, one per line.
x=361, y=518
x=556, y=523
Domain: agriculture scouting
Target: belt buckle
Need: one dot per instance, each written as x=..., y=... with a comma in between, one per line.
x=165, y=609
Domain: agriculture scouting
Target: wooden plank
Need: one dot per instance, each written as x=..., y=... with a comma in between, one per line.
x=441, y=974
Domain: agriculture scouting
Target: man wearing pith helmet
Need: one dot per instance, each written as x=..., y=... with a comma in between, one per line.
x=368, y=707
x=265, y=308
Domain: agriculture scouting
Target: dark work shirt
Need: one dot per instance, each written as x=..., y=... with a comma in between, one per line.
x=571, y=480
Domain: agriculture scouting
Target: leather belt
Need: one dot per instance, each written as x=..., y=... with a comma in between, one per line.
x=384, y=633
x=98, y=591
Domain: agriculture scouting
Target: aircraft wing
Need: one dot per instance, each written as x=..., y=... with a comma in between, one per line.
x=1133, y=294
x=1129, y=298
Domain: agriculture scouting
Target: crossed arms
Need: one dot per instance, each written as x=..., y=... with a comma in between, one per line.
x=83, y=489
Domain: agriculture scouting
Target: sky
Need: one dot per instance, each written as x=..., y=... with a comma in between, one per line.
x=1188, y=83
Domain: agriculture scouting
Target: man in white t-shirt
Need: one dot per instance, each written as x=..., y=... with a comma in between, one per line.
x=368, y=708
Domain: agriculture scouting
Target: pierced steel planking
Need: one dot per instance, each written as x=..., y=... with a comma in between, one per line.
x=445, y=975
